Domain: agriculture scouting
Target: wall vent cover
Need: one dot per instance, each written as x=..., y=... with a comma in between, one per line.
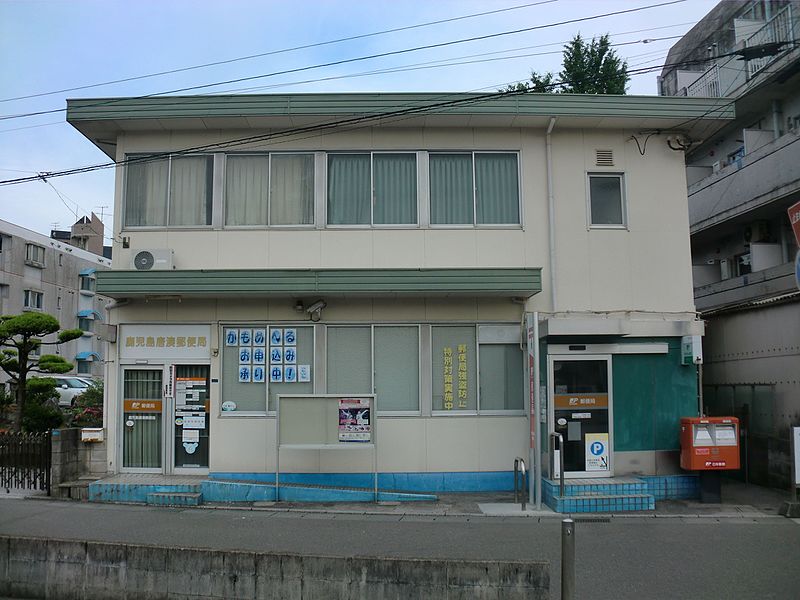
x=604, y=158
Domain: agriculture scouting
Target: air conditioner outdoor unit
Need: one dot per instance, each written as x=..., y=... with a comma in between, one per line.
x=160, y=259
x=717, y=166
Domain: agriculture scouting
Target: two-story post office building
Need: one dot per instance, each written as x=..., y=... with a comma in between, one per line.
x=392, y=244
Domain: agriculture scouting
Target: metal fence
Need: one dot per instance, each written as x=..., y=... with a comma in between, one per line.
x=25, y=461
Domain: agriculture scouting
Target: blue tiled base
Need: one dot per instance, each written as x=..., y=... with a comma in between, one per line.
x=236, y=491
x=672, y=487
x=176, y=499
x=601, y=504
x=636, y=493
x=469, y=481
x=132, y=492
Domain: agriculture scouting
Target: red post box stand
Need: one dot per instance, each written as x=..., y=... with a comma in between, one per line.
x=710, y=445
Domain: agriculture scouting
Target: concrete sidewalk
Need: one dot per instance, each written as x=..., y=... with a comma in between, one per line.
x=686, y=551
x=738, y=501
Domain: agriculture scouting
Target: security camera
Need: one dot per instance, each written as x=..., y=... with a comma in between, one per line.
x=316, y=306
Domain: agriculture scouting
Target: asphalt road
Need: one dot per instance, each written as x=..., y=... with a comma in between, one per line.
x=653, y=558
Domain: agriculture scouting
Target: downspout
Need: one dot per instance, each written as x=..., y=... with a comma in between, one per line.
x=551, y=217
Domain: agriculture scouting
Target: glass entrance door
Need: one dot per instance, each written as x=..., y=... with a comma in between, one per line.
x=190, y=420
x=581, y=413
x=142, y=419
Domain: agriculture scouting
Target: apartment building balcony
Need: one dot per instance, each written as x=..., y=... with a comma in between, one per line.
x=754, y=182
x=731, y=75
x=768, y=283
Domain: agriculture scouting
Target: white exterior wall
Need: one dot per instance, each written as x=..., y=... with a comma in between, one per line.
x=407, y=443
x=597, y=269
x=644, y=267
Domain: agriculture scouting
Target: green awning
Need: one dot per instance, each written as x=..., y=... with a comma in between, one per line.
x=299, y=282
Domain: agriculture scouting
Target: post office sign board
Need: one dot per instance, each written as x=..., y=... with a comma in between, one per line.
x=165, y=341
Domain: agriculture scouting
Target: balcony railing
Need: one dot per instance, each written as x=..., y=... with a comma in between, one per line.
x=777, y=29
x=707, y=85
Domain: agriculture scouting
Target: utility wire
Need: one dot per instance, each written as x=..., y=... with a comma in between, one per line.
x=373, y=117
x=360, y=58
x=421, y=66
x=281, y=51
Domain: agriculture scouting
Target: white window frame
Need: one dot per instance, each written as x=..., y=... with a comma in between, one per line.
x=266, y=413
x=401, y=413
x=167, y=225
x=35, y=255
x=620, y=176
x=501, y=335
x=29, y=295
x=223, y=201
x=475, y=224
x=372, y=224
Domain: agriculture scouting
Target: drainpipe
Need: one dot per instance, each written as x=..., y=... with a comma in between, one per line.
x=777, y=118
x=551, y=217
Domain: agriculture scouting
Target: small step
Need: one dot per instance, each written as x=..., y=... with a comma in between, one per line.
x=74, y=490
x=175, y=499
x=604, y=503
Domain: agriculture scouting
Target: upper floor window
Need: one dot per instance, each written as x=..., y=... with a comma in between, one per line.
x=474, y=188
x=372, y=189
x=34, y=255
x=607, y=200
x=32, y=299
x=85, y=324
x=174, y=191
x=269, y=189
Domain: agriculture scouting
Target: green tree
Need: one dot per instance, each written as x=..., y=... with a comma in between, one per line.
x=41, y=406
x=586, y=68
x=20, y=336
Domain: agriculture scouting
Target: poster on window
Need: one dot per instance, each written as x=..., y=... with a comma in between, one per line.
x=354, y=420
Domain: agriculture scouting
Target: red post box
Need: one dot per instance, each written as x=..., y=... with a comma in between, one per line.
x=709, y=443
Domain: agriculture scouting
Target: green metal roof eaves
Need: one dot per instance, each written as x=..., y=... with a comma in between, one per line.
x=360, y=104
x=344, y=281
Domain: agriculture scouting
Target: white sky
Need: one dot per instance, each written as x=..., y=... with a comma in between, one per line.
x=48, y=45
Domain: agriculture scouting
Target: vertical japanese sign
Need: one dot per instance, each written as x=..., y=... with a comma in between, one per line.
x=455, y=378
x=448, y=377
x=462, y=376
x=532, y=383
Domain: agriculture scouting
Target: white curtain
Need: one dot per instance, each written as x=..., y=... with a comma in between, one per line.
x=246, y=190
x=146, y=193
x=190, y=187
x=292, y=189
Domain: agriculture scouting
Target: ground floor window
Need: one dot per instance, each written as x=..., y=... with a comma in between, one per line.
x=412, y=368
x=261, y=361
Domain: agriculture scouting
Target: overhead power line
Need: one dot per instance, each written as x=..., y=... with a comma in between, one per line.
x=362, y=58
x=370, y=118
x=281, y=51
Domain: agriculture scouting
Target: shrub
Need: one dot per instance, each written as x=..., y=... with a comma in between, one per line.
x=87, y=410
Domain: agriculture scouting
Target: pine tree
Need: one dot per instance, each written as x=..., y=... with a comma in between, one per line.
x=20, y=336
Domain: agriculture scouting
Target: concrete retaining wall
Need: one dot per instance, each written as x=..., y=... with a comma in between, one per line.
x=39, y=568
